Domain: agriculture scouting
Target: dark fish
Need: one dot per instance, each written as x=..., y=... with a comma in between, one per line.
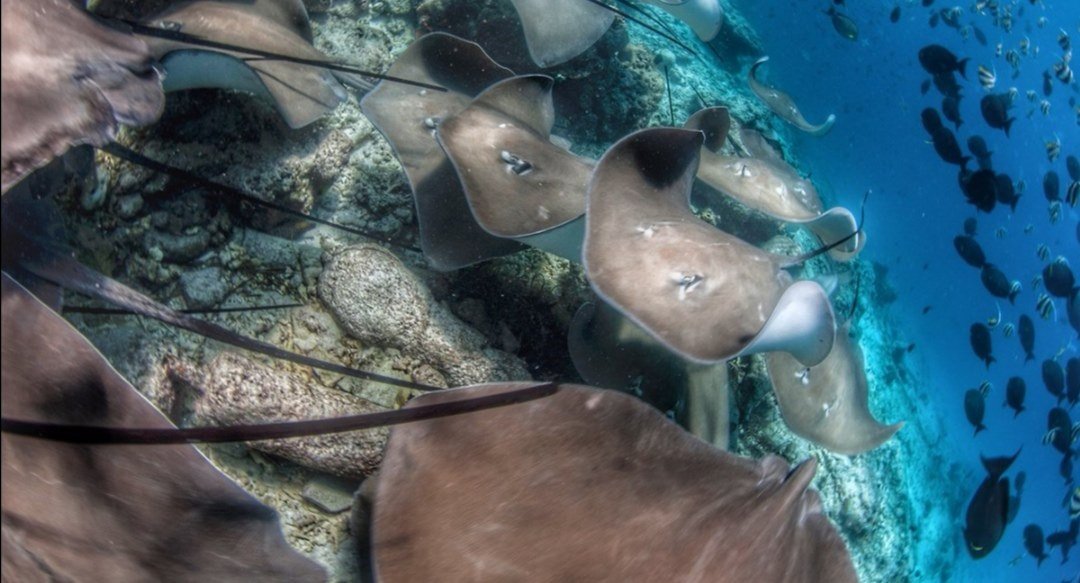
x=843, y=24
x=927, y=2
x=911, y=347
x=924, y=87
x=1073, y=166
x=979, y=35
x=1021, y=479
x=1006, y=191
x=977, y=147
x=980, y=189
x=931, y=120
x=950, y=108
x=1072, y=380
x=970, y=250
x=980, y=343
x=894, y=16
x=1014, y=394
x=1048, y=84
x=1027, y=337
x=1073, y=307
x=926, y=310
x=989, y=508
x=948, y=148
x=934, y=19
x=995, y=110
x=975, y=409
x=1054, y=378
x=997, y=284
x=946, y=84
x=1058, y=278
x=970, y=225
x=1051, y=186
x=936, y=59
x=1033, y=542
x=1065, y=539
x=1058, y=419
x=1065, y=468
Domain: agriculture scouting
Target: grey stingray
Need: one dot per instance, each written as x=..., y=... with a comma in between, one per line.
x=611, y=352
x=783, y=105
x=590, y=485
x=559, y=30
x=408, y=117
x=828, y=403
x=301, y=93
x=518, y=183
x=766, y=183
x=705, y=294
x=116, y=513
x=67, y=80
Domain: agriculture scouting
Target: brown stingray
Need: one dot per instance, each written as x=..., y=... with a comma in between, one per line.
x=610, y=351
x=768, y=184
x=704, y=293
x=591, y=485
x=67, y=80
x=559, y=30
x=302, y=93
x=783, y=105
x=828, y=403
x=518, y=183
x=408, y=117
x=115, y=513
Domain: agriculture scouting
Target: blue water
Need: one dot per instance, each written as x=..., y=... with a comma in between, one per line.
x=916, y=209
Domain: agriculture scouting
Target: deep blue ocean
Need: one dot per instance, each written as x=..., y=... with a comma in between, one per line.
x=916, y=209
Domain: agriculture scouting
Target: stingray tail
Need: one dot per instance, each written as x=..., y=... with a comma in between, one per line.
x=91, y=434
x=337, y=67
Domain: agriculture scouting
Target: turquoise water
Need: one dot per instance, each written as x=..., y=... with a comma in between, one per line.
x=916, y=209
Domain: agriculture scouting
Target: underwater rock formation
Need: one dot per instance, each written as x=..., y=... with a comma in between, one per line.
x=235, y=390
x=377, y=300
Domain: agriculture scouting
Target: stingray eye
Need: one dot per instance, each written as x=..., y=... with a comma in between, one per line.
x=687, y=282
x=431, y=123
x=515, y=163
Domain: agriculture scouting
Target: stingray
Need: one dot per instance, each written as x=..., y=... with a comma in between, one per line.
x=828, y=403
x=518, y=183
x=559, y=30
x=118, y=513
x=68, y=80
x=408, y=117
x=611, y=352
x=705, y=294
x=590, y=485
x=301, y=93
x=783, y=105
x=766, y=183
x=704, y=17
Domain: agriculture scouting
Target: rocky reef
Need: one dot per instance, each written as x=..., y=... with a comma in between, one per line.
x=380, y=308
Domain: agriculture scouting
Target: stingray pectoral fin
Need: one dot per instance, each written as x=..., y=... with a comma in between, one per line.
x=566, y=240
x=802, y=324
x=559, y=30
x=704, y=17
x=833, y=225
x=821, y=130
